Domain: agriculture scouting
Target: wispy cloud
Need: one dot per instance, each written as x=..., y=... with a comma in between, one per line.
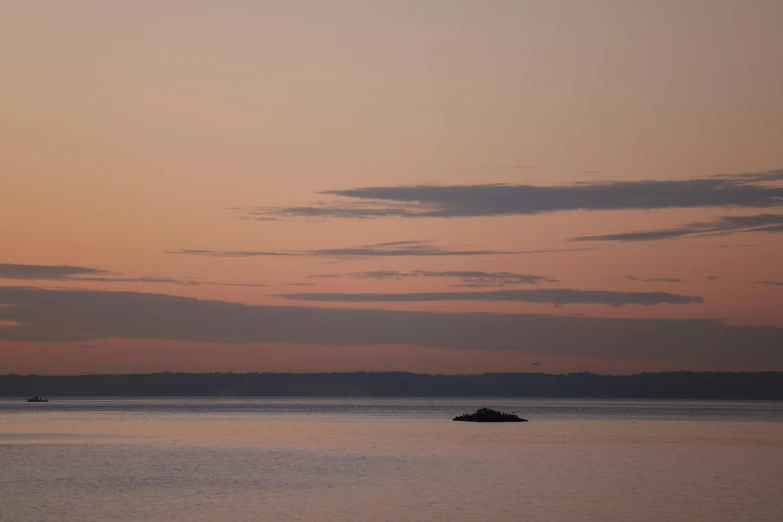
x=389, y=249
x=408, y=248
x=165, y=280
x=654, y=279
x=756, y=190
x=770, y=283
x=93, y=275
x=45, y=272
x=47, y=315
x=469, y=278
x=480, y=277
x=556, y=296
x=767, y=223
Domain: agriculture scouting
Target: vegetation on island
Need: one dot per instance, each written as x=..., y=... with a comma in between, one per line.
x=489, y=415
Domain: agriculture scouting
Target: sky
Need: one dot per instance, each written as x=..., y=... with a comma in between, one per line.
x=439, y=186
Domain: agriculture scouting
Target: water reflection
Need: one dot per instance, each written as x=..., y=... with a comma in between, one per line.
x=389, y=459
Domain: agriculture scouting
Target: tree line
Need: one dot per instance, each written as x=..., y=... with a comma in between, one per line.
x=664, y=385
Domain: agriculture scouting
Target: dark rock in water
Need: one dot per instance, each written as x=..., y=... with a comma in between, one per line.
x=487, y=415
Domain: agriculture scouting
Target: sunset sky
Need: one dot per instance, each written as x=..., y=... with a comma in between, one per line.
x=431, y=186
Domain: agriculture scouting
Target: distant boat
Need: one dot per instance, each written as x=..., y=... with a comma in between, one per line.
x=37, y=398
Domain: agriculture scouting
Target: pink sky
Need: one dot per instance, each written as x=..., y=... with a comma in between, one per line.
x=134, y=130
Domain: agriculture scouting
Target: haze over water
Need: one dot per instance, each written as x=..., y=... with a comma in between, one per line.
x=389, y=459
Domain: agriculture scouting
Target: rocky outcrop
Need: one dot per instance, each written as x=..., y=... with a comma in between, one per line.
x=488, y=415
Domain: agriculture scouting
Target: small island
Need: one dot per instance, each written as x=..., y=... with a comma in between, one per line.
x=488, y=415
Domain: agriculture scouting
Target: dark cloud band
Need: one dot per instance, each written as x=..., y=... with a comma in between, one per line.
x=93, y=275
x=470, y=278
x=765, y=223
x=556, y=296
x=390, y=249
x=45, y=272
x=80, y=316
x=452, y=201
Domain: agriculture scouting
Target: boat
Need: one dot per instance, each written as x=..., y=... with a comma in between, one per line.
x=37, y=398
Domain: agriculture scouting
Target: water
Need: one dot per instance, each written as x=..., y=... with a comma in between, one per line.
x=389, y=460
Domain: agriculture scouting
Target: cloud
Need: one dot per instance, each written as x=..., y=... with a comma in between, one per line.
x=165, y=280
x=556, y=296
x=378, y=274
x=391, y=249
x=451, y=201
x=768, y=223
x=652, y=235
x=480, y=277
x=50, y=272
x=654, y=279
x=92, y=275
x=397, y=243
x=47, y=315
x=470, y=278
x=419, y=248
x=770, y=283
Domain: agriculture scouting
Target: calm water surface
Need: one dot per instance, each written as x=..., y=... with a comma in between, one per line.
x=389, y=460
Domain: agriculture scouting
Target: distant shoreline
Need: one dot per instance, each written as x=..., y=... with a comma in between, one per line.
x=663, y=385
